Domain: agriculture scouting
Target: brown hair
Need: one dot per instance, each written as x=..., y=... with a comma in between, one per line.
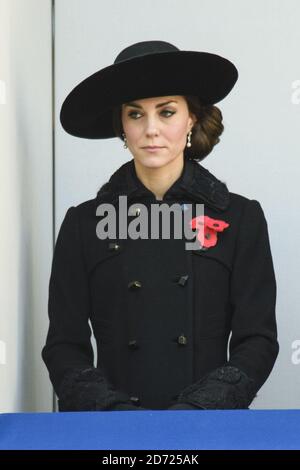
x=205, y=132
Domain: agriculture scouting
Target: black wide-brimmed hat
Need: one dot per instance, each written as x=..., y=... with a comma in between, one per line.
x=143, y=70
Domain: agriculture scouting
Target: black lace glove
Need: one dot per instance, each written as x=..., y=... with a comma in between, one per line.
x=183, y=406
x=127, y=407
x=225, y=388
x=88, y=390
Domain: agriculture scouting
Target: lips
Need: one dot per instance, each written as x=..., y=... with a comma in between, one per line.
x=152, y=147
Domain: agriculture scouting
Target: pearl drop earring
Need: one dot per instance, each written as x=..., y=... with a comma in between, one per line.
x=189, y=144
x=125, y=141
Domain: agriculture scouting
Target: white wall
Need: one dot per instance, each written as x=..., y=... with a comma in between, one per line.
x=258, y=155
x=25, y=201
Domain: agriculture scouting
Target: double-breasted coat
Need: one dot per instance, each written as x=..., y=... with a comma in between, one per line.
x=173, y=327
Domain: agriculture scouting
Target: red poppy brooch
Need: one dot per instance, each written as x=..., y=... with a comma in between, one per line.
x=207, y=236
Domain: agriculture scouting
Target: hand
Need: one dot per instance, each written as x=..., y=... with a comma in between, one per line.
x=226, y=387
x=183, y=406
x=126, y=407
x=87, y=389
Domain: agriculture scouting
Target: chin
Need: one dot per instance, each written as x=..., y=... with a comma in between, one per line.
x=154, y=161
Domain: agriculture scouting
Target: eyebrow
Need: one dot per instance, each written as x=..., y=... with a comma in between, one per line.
x=135, y=105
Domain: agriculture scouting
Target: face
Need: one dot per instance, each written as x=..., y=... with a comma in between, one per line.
x=162, y=121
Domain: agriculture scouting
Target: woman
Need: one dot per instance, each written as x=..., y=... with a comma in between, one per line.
x=175, y=328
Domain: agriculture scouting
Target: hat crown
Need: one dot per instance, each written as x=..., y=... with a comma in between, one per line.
x=140, y=49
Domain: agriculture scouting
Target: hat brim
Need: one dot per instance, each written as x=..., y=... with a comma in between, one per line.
x=87, y=110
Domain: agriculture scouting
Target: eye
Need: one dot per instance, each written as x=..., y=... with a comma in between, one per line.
x=132, y=113
x=167, y=111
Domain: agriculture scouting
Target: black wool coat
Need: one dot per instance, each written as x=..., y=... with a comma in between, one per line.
x=174, y=328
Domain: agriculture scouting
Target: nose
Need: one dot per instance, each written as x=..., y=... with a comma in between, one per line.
x=151, y=127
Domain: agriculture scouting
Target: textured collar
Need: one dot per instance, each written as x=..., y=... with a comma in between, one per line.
x=195, y=183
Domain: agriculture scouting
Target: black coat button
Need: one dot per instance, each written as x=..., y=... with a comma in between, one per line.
x=183, y=280
x=133, y=344
x=113, y=246
x=183, y=206
x=134, y=211
x=182, y=339
x=134, y=285
x=135, y=400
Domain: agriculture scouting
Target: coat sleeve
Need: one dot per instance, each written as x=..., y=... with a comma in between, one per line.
x=68, y=352
x=253, y=347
